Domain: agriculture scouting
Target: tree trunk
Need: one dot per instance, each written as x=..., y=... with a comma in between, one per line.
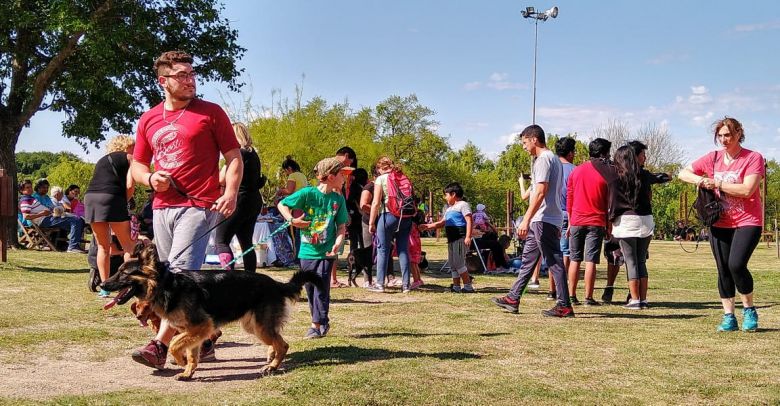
x=9, y=135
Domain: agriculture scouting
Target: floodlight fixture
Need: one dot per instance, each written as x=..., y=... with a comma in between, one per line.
x=530, y=12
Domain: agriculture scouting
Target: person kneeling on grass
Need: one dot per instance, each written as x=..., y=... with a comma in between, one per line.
x=457, y=226
x=323, y=226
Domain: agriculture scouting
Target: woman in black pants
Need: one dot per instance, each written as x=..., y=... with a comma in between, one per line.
x=242, y=223
x=734, y=174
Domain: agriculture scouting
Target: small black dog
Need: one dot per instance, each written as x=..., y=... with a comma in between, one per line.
x=360, y=260
x=423, y=262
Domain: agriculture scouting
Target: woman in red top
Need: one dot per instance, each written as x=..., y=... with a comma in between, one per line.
x=734, y=173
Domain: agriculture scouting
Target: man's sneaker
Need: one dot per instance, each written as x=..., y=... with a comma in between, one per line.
x=376, y=288
x=207, y=352
x=506, y=303
x=631, y=305
x=324, y=328
x=152, y=354
x=590, y=302
x=729, y=323
x=552, y=296
x=313, y=333
x=533, y=285
x=559, y=311
x=469, y=289
x=606, y=297
x=749, y=319
x=574, y=300
x=455, y=288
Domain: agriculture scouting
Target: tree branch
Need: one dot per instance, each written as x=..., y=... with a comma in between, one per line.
x=44, y=79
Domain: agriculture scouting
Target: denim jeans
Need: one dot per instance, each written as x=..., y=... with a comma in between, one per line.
x=75, y=226
x=387, y=230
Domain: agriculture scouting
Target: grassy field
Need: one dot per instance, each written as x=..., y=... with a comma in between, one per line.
x=428, y=347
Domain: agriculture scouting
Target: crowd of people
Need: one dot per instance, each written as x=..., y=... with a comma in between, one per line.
x=573, y=212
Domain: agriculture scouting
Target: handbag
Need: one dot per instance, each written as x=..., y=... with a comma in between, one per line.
x=708, y=206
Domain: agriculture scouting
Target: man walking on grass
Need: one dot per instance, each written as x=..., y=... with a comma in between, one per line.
x=541, y=226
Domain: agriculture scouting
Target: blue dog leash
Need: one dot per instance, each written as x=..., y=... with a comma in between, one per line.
x=257, y=244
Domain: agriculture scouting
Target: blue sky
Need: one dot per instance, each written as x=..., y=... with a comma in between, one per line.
x=676, y=64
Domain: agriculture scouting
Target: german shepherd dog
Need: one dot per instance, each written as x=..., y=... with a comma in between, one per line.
x=197, y=303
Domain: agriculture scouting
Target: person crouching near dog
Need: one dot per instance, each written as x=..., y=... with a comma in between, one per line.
x=323, y=226
x=457, y=227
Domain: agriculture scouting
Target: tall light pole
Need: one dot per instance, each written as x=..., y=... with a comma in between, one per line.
x=529, y=12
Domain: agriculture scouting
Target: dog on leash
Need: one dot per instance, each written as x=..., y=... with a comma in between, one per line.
x=360, y=260
x=198, y=303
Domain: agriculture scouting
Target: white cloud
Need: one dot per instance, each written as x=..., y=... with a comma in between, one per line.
x=472, y=85
x=497, y=77
x=699, y=95
x=771, y=25
x=413, y=30
x=703, y=120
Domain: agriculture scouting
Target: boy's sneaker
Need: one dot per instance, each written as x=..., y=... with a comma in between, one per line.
x=606, y=297
x=552, y=296
x=533, y=285
x=631, y=305
x=152, y=355
x=207, y=352
x=468, y=289
x=76, y=251
x=559, y=311
x=574, y=300
x=749, y=319
x=313, y=333
x=643, y=304
x=376, y=288
x=324, y=328
x=590, y=302
x=406, y=290
x=506, y=303
x=728, y=323
x=455, y=288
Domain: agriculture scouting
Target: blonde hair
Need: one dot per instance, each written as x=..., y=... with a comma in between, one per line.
x=54, y=190
x=386, y=164
x=119, y=143
x=242, y=135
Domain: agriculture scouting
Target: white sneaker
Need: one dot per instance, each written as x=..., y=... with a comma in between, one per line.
x=533, y=285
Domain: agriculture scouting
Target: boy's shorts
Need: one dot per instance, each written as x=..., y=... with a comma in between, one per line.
x=585, y=243
x=456, y=254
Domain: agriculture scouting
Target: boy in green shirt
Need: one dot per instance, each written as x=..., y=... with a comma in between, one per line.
x=323, y=226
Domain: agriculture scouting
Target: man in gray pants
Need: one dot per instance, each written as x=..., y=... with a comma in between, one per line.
x=541, y=226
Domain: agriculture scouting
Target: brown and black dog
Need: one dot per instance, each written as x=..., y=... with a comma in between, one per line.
x=197, y=303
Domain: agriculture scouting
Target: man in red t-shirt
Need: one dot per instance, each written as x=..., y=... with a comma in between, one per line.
x=587, y=202
x=184, y=137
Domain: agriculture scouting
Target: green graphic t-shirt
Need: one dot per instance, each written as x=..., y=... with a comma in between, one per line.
x=325, y=212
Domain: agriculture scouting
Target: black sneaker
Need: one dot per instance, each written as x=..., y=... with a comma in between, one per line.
x=606, y=297
x=455, y=288
x=559, y=311
x=552, y=296
x=574, y=300
x=590, y=302
x=506, y=303
x=467, y=290
x=643, y=304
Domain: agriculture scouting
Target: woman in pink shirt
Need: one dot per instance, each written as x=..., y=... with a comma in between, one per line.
x=734, y=173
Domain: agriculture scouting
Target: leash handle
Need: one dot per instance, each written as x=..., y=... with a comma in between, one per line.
x=257, y=244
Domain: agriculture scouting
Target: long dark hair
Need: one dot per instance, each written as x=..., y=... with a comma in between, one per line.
x=628, y=173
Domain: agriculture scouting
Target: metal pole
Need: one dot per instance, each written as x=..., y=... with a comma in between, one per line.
x=536, y=37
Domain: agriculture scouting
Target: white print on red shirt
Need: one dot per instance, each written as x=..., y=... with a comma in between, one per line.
x=167, y=147
x=734, y=206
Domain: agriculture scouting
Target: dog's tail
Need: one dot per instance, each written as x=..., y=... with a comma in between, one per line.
x=299, y=279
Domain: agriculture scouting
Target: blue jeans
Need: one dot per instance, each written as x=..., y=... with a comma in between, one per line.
x=75, y=226
x=387, y=230
x=319, y=299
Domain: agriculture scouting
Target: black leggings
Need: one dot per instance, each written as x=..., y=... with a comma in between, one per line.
x=242, y=225
x=732, y=248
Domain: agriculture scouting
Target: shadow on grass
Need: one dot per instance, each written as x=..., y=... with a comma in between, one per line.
x=353, y=301
x=50, y=270
x=387, y=335
x=350, y=354
x=640, y=315
x=684, y=305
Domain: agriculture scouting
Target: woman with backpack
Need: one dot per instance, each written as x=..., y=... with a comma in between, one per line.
x=391, y=220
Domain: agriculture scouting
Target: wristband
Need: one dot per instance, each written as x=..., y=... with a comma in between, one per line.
x=149, y=180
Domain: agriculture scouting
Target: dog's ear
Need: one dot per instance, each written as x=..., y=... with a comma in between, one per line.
x=148, y=255
x=139, y=247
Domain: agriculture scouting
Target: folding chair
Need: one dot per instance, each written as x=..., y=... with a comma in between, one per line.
x=34, y=237
x=479, y=255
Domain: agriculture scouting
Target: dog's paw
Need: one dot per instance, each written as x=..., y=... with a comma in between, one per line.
x=183, y=377
x=268, y=370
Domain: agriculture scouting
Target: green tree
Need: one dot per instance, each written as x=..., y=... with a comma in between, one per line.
x=35, y=165
x=93, y=60
x=72, y=172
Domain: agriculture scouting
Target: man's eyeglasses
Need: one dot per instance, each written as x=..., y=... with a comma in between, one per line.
x=182, y=76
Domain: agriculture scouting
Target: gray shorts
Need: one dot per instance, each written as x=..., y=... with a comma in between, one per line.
x=456, y=256
x=176, y=228
x=585, y=243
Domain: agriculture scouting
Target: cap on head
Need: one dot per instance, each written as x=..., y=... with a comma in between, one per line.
x=331, y=166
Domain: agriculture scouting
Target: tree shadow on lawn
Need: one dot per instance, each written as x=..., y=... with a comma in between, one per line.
x=350, y=354
x=353, y=301
x=641, y=315
x=50, y=270
x=386, y=335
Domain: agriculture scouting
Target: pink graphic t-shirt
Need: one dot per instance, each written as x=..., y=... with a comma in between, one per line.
x=738, y=211
x=187, y=146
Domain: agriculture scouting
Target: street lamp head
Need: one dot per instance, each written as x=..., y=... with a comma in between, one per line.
x=530, y=12
x=553, y=12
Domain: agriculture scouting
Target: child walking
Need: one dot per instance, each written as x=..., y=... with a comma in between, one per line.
x=457, y=227
x=323, y=226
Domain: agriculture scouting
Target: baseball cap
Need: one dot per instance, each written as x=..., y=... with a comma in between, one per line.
x=331, y=166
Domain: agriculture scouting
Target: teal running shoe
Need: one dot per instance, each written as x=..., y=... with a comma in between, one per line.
x=729, y=323
x=104, y=293
x=749, y=319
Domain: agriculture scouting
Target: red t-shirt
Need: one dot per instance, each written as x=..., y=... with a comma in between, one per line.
x=587, y=197
x=738, y=211
x=188, y=148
